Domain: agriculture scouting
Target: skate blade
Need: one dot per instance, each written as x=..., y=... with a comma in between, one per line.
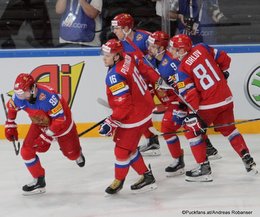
x=111, y=195
x=177, y=173
x=155, y=152
x=253, y=172
x=107, y=195
x=214, y=157
x=34, y=192
x=205, y=178
x=146, y=188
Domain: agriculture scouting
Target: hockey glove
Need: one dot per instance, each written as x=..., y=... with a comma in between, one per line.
x=192, y=123
x=179, y=116
x=161, y=84
x=42, y=143
x=11, y=132
x=108, y=127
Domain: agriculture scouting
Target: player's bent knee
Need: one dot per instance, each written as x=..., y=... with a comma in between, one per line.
x=121, y=153
x=227, y=131
x=27, y=153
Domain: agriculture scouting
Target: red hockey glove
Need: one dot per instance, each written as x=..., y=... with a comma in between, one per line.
x=108, y=127
x=11, y=132
x=42, y=143
x=192, y=123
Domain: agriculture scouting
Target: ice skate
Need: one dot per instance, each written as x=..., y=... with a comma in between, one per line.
x=200, y=174
x=145, y=183
x=176, y=168
x=35, y=187
x=80, y=160
x=115, y=187
x=151, y=148
x=212, y=152
x=249, y=163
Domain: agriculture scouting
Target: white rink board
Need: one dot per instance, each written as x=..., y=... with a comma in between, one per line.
x=92, y=85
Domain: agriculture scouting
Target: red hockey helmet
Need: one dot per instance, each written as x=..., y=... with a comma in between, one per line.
x=112, y=46
x=159, y=38
x=181, y=41
x=24, y=82
x=123, y=20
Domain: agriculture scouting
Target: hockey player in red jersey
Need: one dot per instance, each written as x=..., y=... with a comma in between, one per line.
x=134, y=44
x=132, y=105
x=51, y=119
x=202, y=81
x=167, y=64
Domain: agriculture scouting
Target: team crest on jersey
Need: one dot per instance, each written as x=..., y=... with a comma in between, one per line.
x=117, y=87
x=119, y=99
x=165, y=62
x=139, y=37
x=42, y=97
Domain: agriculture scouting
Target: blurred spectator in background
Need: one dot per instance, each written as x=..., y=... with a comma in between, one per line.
x=198, y=19
x=80, y=22
x=34, y=13
x=159, y=7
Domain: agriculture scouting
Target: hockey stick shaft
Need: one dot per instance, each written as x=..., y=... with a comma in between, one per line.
x=103, y=102
x=91, y=128
x=16, y=148
x=156, y=132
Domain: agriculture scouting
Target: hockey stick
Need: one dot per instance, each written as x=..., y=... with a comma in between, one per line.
x=158, y=133
x=91, y=128
x=103, y=102
x=16, y=148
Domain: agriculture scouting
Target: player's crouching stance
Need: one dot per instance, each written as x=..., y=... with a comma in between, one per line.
x=51, y=118
x=132, y=106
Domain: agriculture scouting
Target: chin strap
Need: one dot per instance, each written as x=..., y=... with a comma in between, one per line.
x=126, y=34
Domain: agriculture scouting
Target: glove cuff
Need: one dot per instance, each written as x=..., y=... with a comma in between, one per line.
x=112, y=122
x=10, y=124
x=46, y=138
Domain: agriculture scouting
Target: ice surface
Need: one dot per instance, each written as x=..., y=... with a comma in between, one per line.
x=79, y=192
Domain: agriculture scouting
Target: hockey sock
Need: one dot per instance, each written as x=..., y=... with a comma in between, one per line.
x=137, y=163
x=34, y=167
x=199, y=150
x=174, y=146
x=237, y=142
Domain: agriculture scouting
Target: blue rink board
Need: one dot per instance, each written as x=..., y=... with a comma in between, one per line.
x=61, y=52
